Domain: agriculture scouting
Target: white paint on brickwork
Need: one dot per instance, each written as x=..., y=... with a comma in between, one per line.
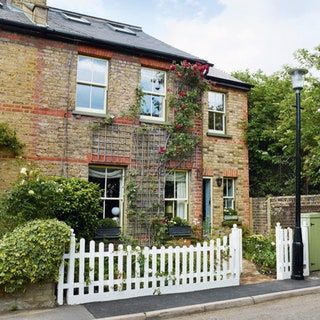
x=108, y=274
x=284, y=239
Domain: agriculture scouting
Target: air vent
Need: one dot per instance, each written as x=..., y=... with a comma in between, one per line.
x=75, y=18
x=121, y=28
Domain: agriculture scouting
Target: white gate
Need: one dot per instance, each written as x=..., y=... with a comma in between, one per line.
x=105, y=274
x=284, y=241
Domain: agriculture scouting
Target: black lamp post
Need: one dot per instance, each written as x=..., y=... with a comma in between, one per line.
x=297, y=245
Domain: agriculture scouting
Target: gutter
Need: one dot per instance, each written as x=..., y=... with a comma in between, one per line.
x=232, y=84
x=47, y=32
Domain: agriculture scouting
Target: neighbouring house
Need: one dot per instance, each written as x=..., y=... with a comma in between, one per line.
x=67, y=81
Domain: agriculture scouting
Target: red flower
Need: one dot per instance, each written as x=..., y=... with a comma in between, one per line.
x=179, y=126
x=162, y=150
x=173, y=67
x=182, y=93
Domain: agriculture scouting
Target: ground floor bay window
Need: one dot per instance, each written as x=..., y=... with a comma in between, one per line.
x=110, y=181
x=176, y=195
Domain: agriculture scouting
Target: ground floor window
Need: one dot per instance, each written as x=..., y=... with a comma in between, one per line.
x=110, y=181
x=228, y=193
x=176, y=194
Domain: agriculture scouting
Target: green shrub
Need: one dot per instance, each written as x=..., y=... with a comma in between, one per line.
x=9, y=140
x=262, y=251
x=74, y=201
x=32, y=253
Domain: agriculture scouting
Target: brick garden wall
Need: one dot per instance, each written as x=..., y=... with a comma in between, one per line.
x=266, y=212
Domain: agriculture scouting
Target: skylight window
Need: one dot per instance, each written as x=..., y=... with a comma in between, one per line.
x=121, y=28
x=76, y=18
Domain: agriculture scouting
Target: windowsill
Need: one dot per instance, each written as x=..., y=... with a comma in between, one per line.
x=219, y=135
x=89, y=114
x=143, y=120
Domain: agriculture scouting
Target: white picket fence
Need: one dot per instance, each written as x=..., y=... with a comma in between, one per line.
x=105, y=274
x=284, y=239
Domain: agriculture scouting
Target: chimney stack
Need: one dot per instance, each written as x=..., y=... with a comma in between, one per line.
x=36, y=10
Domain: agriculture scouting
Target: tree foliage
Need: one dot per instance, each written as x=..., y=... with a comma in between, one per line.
x=271, y=129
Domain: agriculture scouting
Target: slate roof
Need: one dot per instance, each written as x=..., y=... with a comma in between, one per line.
x=100, y=30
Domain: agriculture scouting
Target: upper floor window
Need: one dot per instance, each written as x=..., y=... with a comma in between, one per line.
x=228, y=193
x=92, y=80
x=153, y=84
x=176, y=194
x=217, y=112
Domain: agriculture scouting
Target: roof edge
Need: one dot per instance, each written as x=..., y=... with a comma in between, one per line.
x=233, y=84
x=47, y=32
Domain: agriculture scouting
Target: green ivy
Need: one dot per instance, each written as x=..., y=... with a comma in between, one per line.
x=32, y=253
x=9, y=140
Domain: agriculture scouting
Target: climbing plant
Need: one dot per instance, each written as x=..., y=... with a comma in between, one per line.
x=186, y=103
x=9, y=140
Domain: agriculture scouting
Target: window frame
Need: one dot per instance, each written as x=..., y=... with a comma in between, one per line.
x=121, y=197
x=93, y=84
x=228, y=197
x=223, y=131
x=164, y=95
x=174, y=199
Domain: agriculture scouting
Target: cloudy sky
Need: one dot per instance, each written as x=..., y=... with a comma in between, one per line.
x=232, y=34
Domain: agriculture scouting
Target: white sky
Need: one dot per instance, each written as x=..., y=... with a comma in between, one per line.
x=232, y=34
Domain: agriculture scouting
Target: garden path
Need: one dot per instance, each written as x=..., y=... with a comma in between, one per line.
x=250, y=274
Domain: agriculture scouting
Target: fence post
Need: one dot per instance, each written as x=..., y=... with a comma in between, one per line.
x=71, y=269
x=235, y=252
x=279, y=251
x=305, y=241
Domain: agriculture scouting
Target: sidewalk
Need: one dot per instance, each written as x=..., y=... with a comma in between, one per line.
x=157, y=307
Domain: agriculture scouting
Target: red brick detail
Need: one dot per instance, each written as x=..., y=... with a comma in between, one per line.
x=125, y=57
x=34, y=109
x=95, y=52
x=151, y=63
x=55, y=159
x=207, y=172
x=231, y=173
x=125, y=120
x=179, y=165
x=110, y=160
x=33, y=41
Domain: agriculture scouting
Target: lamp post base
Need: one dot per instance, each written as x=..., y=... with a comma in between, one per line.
x=297, y=255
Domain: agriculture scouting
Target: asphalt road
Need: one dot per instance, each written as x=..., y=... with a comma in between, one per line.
x=297, y=308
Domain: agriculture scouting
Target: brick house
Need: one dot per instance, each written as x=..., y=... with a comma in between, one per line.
x=62, y=73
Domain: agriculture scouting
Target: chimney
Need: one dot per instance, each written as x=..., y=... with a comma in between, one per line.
x=36, y=10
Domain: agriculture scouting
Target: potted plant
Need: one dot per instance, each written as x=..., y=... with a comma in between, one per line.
x=108, y=229
x=230, y=214
x=178, y=227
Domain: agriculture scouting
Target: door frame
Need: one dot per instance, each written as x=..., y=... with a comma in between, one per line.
x=211, y=197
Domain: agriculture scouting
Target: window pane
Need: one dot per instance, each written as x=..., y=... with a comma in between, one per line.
x=216, y=101
x=157, y=108
x=219, y=121
x=99, y=68
x=83, y=96
x=97, y=175
x=109, y=205
x=114, y=178
x=169, y=208
x=152, y=80
x=84, y=69
x=97, y=98
x=181, y=209
x=146, y=106
x=230, y=188
x=211, y=121
x=225, y=181
x=169, y=189
x=158, y=82
x=181, y=185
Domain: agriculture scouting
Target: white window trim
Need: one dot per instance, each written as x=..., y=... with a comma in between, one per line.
x=233, y=193
x=121, y=195
x=223, y=131
x=164, y=95
x=94, y=84
x=186, y=199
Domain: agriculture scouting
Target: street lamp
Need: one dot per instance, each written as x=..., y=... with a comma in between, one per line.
x=297, y=245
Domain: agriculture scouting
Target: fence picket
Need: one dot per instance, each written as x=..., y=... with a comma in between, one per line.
x=284, y=239
x=125, y=273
